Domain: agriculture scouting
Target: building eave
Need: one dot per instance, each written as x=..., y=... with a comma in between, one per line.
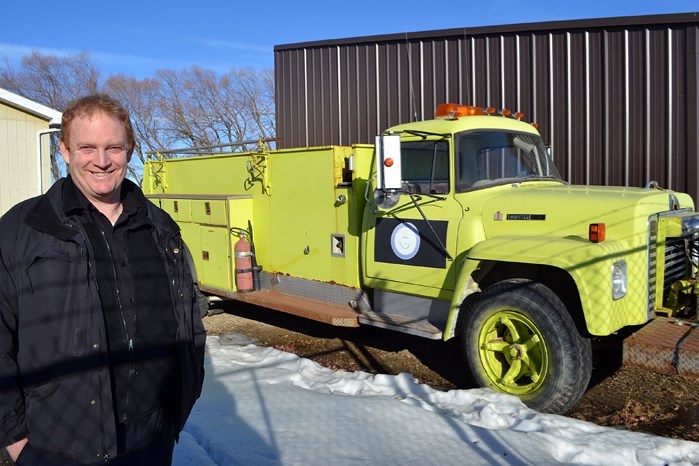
x=52, y=116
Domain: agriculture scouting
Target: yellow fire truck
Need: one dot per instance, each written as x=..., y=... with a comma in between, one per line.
x=456, y=227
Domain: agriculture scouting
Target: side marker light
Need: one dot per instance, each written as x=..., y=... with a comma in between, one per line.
x=596, y=232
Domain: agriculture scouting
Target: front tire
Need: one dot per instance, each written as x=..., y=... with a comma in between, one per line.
x=518, y=338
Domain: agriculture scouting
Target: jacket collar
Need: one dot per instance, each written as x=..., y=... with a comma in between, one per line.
x=132, y=199
x=47, y=214
x=51, y=213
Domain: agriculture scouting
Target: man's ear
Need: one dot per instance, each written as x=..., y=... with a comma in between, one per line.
x=128, y=156
x=64, y=152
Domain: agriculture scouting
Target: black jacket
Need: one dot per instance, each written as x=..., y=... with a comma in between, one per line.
x=54, y=375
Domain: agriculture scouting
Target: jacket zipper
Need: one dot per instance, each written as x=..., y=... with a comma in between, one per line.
x=129, y=338
x=91, y=272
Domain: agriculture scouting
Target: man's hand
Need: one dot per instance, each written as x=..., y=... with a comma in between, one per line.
x=16, y=448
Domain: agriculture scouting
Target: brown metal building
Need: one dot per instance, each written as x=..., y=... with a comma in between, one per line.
x=617, y=98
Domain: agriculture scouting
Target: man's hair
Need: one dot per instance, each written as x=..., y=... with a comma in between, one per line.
x=90, y=105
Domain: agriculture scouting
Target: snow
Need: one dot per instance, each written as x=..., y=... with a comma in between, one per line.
x=261, y=406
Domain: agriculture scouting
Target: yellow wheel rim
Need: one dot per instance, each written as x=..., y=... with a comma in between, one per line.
x=513, y=353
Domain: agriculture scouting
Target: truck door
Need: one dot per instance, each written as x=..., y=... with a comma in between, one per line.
x=411, y=247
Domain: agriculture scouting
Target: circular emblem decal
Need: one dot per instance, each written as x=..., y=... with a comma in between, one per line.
x=405, y=241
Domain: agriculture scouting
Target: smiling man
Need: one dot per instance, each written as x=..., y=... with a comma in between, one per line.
x=97, y=148
x=101, y=339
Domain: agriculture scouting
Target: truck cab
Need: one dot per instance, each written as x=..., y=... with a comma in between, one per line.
x=432, y=182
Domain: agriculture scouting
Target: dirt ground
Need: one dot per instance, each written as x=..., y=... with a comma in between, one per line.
x=618, y=396
x=622, y=397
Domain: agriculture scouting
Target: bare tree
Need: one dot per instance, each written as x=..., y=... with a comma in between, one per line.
x=52, y=81
x=204, y=109
x=141, y=98
x=193, y=107
x=210, y=102
x=255, y=96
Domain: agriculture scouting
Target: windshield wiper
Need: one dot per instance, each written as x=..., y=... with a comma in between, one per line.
x=430, y=195
x=540, y=177
x=424, y=134
x=415, y=198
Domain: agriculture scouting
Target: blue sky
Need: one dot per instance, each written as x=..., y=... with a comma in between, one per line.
x=139, y=37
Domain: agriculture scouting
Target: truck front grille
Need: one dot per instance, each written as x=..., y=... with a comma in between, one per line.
x=652, y=263
x=675, y=261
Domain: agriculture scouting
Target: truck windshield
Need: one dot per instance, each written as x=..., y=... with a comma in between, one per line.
x=489, y=157
x=425, y=167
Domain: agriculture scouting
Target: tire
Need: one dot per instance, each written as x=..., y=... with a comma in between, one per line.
x=518, y=338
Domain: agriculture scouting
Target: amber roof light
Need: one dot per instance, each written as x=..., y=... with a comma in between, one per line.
x=456, y=111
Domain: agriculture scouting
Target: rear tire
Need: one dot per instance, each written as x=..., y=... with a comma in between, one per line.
x=518, y=338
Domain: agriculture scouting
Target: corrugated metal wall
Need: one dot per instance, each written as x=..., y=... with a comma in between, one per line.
x=617, y=98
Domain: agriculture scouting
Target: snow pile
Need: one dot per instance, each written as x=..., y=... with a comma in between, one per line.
x=262, y=406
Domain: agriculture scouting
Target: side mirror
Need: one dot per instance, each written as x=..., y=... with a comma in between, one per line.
x=388, y=171
x=388, y=166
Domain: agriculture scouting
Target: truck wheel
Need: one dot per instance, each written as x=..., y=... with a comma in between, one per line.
x=518, y=338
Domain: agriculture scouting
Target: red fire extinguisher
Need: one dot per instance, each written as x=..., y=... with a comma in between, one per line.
x=243, y=265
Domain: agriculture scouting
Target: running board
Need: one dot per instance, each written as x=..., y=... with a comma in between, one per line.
x=321, y=311
x=420, y=328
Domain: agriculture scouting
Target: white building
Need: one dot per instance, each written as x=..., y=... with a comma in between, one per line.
x=25, y=159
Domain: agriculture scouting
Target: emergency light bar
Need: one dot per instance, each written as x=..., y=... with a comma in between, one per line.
x=450, y=110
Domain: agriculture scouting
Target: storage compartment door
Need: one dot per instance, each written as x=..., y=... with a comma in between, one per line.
x=215, y=257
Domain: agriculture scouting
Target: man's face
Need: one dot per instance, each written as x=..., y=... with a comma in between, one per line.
x=97, y=156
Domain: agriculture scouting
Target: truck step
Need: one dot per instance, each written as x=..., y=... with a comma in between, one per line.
x=421, y=328
x=665, y=345
x=333, y=314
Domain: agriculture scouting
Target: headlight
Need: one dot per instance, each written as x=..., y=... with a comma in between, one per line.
x=690, y=225
x=619, y=279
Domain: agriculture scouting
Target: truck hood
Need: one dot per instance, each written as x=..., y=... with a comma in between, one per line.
x=567, y=210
